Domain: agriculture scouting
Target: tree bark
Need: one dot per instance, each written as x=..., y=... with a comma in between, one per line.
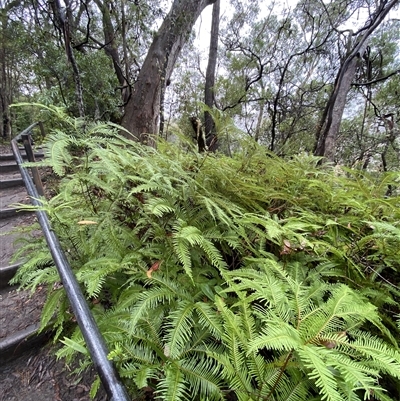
x=330, y=123
x=209, y=95
x=4, y=87
x=6, y=93
x=142, y=111
x=260, y=117
x=111, y=47
x=63, y=19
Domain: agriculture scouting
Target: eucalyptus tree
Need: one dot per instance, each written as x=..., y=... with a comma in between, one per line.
x=6, y=60
x=127, y=29
x=289, y=71
x=274, y=59
x=17, y=62
x=356, y=46
x=369, y=136
x=67, y=46
x=49, y=60
x=209, y=95
x=63, y=22
x=142, y=66
x=142, y=110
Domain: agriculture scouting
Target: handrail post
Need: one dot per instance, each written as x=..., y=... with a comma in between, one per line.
x=41, y=127
x=27, y=141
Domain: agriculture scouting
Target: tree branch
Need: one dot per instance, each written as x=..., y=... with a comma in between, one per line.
x=376, y=80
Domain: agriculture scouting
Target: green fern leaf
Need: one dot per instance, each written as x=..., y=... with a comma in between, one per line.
x=179, y=328
x=173, y=385
x=50, y=307
x=315, y=360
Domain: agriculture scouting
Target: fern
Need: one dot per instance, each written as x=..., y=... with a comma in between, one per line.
x=215, y=277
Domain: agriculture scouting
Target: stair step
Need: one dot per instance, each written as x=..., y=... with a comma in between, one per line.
x=16, y=344
x=7, y=273
x=11, y=183
x=20, y=312
x=8, y=168
x=10, y=156
x=11, y=212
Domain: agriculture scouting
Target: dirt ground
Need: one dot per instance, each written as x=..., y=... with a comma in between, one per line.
x=19, y=309
x=36, y=374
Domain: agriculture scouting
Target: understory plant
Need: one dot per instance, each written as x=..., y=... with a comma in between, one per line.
x=224, y=278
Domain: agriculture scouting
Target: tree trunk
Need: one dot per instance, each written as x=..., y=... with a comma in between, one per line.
x=4, y=87
x=332, y=116
x=209, y=96
x=111, y=47
x=260, y=117
x=63, y=19
x=6, y=94
x=143, y=108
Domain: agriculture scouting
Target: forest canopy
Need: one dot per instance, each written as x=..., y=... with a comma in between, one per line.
x=310, y=76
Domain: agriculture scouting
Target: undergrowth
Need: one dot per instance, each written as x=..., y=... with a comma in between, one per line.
x=216, y=278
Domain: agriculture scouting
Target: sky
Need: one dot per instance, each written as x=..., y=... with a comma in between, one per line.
x=203, y=24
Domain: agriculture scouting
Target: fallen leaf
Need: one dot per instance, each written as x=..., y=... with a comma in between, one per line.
x=153, y=268
x=287, y=247
x=156, y=265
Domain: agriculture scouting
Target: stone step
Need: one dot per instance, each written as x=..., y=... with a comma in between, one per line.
x=8, y=168
x=10, y=156
x=20, y=333
x=11, y=183
x=8, y=212
x=16, y=344
x=7, y=273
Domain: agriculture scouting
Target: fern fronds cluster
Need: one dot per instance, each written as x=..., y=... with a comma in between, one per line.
x=212, y=278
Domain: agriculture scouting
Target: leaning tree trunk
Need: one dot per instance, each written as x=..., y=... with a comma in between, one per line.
x=143, y=108
x=332, y=116
x=209, y=95
x=330, y=124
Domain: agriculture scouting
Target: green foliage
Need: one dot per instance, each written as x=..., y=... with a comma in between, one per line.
x=211, y=278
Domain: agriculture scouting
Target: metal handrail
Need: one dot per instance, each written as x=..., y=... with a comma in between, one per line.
x=90, y=331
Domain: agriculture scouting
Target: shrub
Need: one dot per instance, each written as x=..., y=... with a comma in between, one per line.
x=248, y=278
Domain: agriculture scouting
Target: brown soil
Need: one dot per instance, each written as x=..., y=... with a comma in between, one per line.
x=39, y=376
x=24, y=304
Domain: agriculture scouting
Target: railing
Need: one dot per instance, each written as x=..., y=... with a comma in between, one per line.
x=90, y=331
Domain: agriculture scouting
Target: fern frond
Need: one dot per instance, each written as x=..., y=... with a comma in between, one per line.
x=278, y=335
x=173, y=385
x=315, y=360
x=208, y=319
x=204, y=376
x=378, y=354
x=179, y=328
x=51, y=306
